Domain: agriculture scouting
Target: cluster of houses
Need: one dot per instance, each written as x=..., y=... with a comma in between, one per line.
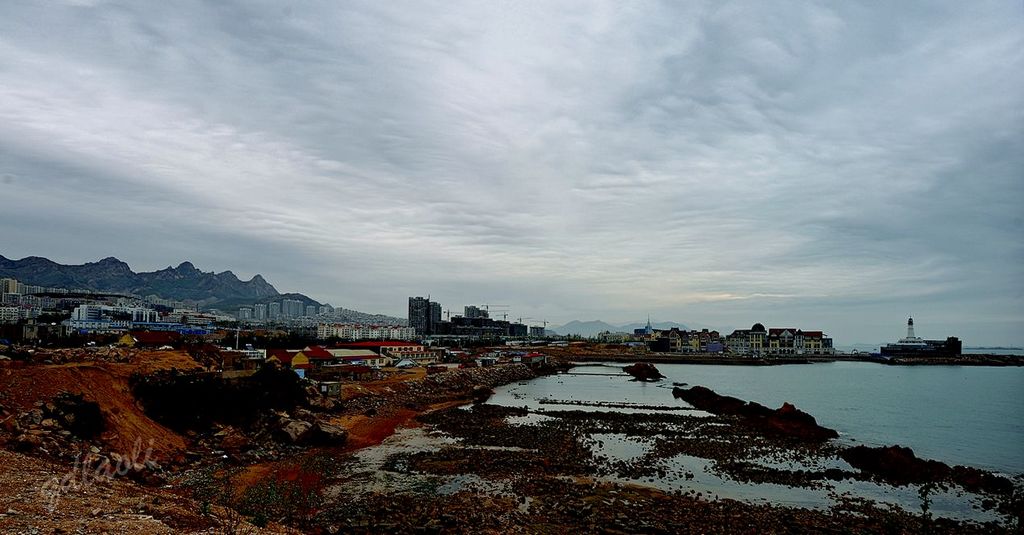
x=360, y=361
x=757, y=341
x=778, y=342
x=354, y=360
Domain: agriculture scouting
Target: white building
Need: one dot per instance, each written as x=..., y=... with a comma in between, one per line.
x=10, y=286
x=110, y=318
x=364, y=332
x=9, y=314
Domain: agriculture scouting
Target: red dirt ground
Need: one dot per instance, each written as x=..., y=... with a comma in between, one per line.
x=107, y=384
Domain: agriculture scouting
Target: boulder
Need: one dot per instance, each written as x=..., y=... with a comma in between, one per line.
x=293, y=431
x=329, y=434
x=232, y=440
x=481, y=393
x=644, y=371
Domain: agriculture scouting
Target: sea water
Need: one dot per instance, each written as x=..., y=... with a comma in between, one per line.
x=969, y=415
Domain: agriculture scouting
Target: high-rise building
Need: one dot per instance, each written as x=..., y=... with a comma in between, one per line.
x=10, y=286
x=259, y=312
x=424, y=315
x=310, y=310
x=419, y=314
x=274, y=310
x=326, y=310
x=244, y=313
x=292, y=308
x=435, y=316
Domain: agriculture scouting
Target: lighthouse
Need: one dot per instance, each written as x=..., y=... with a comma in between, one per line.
x=911, y=338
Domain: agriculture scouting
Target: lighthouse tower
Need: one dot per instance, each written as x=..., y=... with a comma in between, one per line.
x=911, y=339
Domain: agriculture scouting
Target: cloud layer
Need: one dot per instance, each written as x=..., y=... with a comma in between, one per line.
x=828, y=165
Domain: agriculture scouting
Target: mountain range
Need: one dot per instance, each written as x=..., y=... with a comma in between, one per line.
x=182, y=283
x=593, y=328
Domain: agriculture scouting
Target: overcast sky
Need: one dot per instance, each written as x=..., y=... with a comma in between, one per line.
x=824, y=165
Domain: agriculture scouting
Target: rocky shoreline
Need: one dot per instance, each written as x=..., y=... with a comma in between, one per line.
x=506, y=469
x=470, y=466
x=547, y=478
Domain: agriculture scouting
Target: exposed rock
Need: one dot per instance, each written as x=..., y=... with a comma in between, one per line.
x=232, y=440
x=293, y=431
x=792, y=421
x=900, y=466
x=786, y=420
x=644, y=371
x=481, y=393
x=328, y=434
x=895, y=464
x=83, y=418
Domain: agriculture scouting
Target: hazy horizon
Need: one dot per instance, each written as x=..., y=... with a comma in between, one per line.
x=835, y=167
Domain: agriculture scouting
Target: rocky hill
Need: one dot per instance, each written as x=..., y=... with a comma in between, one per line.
x=182, y=283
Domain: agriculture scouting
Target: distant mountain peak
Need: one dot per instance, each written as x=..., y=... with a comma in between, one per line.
x=115, y=264
x=183, y=283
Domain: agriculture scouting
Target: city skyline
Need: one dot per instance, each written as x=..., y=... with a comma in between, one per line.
x=836, y=166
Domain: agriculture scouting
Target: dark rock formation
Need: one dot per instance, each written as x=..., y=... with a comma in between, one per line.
x=232, y=440
x=895, y=464
x=293, y=431
x=328, y=434
x=72, y=412
x=786, y=420
x=900, y=466
x=481, y=393
x=643, y=371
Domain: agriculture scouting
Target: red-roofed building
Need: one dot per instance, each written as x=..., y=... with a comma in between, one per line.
x=313, y=356
x=281, y=355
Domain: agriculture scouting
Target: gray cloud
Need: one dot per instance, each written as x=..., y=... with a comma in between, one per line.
x=817, y=164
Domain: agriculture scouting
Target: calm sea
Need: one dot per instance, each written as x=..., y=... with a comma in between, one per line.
x=959, y=415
